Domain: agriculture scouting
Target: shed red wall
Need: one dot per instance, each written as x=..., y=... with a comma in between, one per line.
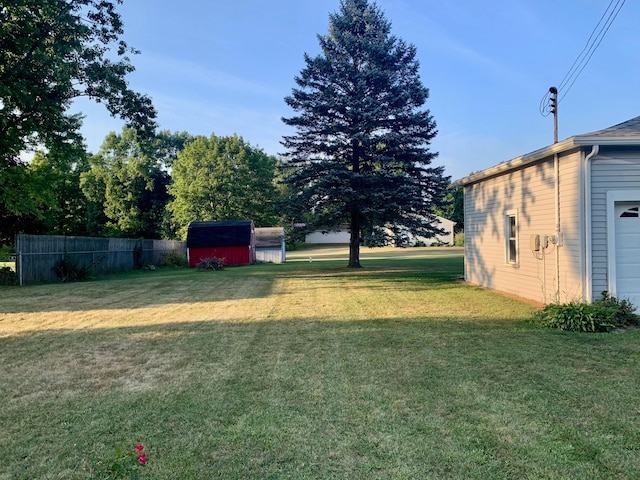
x=232, y=255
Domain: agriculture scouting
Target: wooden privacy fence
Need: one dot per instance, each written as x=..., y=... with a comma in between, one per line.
x=38, y=255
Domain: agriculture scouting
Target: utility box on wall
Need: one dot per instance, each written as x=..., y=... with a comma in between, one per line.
x=534, y=243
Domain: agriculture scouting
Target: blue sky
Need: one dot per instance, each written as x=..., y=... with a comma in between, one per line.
x=225, y=66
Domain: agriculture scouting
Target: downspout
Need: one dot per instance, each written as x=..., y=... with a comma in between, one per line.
x=558, y=240
x=587, y=282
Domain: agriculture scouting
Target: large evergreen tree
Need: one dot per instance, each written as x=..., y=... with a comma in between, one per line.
x=360, y=153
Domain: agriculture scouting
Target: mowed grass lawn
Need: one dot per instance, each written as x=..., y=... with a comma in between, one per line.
x=310, y=370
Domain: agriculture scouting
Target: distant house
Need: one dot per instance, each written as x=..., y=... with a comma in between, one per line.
x=561, y=223
x=342, y=236
x=319, y=237
x=270, y=245
x=233, y=240
x=446, y=238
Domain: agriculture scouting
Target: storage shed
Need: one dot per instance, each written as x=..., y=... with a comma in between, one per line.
x=233, y=240
x=561, y=223
x=270, y=245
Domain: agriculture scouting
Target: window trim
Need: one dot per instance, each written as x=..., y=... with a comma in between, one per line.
x=509, y=258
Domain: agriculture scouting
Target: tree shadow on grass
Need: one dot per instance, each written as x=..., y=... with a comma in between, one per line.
x=140, y=290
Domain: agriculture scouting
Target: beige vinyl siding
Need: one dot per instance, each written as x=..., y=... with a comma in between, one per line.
x=570, y=253
x=610, y=170
x=531, y=192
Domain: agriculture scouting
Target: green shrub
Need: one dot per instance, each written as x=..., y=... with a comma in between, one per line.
x=293, y=246
x=603, y=315
x=173, y=259
x=68, y=270
x=458, y=239
x=419, y=243
x=8, y=276
x=211, y=263
x=5, y=252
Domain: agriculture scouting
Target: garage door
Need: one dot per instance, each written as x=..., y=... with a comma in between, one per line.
x=627, y=238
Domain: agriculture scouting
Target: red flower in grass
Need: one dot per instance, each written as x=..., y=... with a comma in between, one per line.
x=122, y=465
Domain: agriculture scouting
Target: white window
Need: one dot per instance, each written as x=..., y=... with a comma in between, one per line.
x=511, y=234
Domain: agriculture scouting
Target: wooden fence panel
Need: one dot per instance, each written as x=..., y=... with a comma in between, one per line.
x=38, y=255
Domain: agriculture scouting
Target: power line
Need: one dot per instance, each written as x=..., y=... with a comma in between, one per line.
x=591, y=47
x=595, y=39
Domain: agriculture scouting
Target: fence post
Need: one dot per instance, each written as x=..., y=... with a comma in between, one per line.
x=19, y=260
x=19, y=264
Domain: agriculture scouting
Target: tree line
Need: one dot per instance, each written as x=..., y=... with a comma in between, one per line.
x=154, y=187
x=360, y=152
x=136, y=186
x=143, y=182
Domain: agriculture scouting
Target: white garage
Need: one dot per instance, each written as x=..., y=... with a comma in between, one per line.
x=624, y=246
x=561, y=223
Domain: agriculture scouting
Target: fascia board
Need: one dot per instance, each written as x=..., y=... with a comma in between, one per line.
x=607, y=141
x=518, y=162
x=524, y=160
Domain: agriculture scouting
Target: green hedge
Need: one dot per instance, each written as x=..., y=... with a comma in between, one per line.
x=603, y=315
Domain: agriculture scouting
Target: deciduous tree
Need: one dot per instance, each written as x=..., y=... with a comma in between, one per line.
x=453, y=207
x=222, y=178
x=360, y=152
x=52, y=51
x=58, y=171
x=126, y=179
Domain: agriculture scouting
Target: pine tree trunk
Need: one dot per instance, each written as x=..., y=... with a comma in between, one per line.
x=354, y=241
x=354, y=244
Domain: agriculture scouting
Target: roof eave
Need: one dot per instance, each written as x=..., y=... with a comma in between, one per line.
x=519, y=162
x=563, y=146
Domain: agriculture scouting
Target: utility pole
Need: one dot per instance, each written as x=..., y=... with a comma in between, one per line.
x=554, y=109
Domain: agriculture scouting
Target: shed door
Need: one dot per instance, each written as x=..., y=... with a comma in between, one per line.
x=627, y=238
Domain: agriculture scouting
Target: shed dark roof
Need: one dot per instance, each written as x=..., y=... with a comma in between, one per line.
x=269, y=237
x=227, y=233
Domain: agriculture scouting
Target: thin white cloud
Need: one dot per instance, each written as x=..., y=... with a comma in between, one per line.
x=446, y=31
x=191, y=76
